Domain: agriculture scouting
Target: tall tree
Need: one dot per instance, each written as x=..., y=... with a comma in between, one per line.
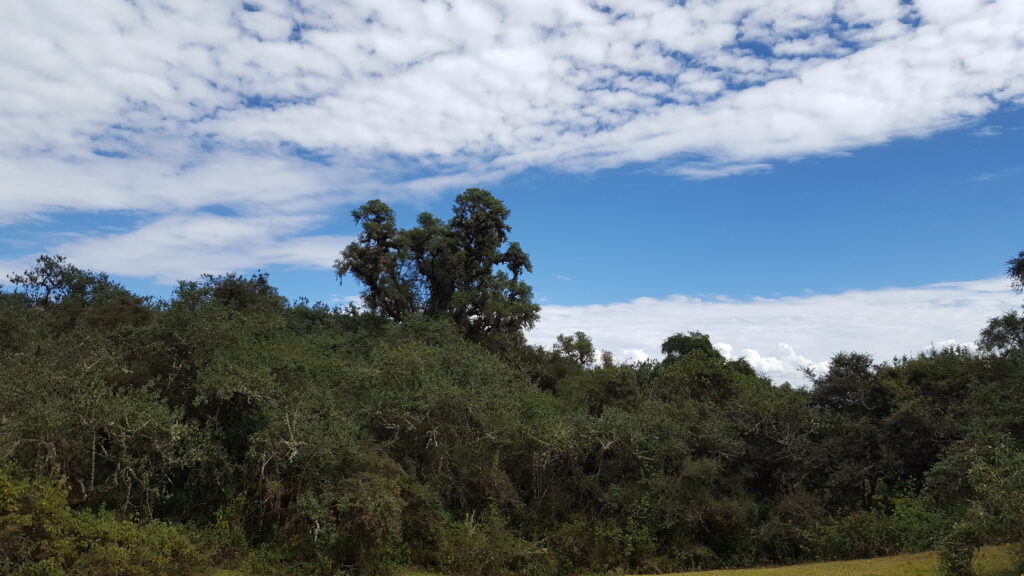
x=376, y=259
x=464, y=268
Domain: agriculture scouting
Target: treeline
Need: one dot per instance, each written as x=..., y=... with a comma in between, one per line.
x=227, y=426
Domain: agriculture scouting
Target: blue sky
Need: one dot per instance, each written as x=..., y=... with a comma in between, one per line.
x=795, y=177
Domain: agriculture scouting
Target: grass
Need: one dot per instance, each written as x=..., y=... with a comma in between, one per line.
x=992, y=561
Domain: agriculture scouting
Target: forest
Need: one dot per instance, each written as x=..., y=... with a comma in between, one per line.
x=227, y=426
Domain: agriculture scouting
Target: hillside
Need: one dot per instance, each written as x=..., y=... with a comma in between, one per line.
x=229, y=426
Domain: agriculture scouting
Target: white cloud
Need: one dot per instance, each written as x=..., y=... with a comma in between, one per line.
x=10, y=267
x=630, y=355
x=170, y=108
x=709, y=170
x=40, y=184
x=179, y=247
x=985, y=131
x=779, y=336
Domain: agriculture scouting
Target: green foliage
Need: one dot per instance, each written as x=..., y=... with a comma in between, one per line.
x=605, y=545
x=577, y=346
x=378, y=260
x=917, y=525
x=861, y=534
x=461, y=269
x=679, y=345
x=1004, y=334
x=958, y=549
x=992, y=495
x=40, y=534
x=1015, y=270
x=292, y=438
x=52, y=281
x=485, y=547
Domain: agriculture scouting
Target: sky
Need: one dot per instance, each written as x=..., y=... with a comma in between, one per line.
x=795, y=178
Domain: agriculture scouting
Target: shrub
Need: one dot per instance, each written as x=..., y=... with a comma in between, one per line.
x=956, y=555
x=859, y=535
x=777, y=541
x=484, y=546
x=605, y=545
x=919, y=526
x=41, y=535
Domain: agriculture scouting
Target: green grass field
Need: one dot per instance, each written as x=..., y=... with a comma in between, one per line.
x=992, y=561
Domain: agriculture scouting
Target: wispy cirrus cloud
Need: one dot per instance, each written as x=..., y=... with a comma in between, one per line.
x=780, y=336
x=299, y=107
x=709, y=170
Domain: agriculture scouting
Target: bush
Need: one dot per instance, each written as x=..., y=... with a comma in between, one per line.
x=778, y=541
x=603, y=545
x=355, y=523
x=919, y=526
x=485, y=547
x=41, y=535
x=956, y=556
x=859, y=535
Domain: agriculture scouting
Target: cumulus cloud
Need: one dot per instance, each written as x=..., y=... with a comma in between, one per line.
x=781, y=336
x=169, y=108
x=631, y=355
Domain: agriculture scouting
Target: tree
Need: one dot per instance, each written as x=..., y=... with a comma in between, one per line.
x=851, y=386
x=70, y=295
x=375, y=259
x=1005, y=334
x=461, y=268
x=679, y=345
x=1015, y=270
x=854, y=402
x=990, y=471
x=53, y=280
x=577, y=346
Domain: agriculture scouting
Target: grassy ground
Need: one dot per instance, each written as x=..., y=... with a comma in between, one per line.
x=993, y=561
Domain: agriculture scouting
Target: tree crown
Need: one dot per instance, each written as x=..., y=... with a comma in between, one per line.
x=464, y=268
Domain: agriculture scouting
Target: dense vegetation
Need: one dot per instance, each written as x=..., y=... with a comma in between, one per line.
x=228, y=426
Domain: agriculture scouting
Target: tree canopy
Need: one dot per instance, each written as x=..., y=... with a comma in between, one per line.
x=465, y=268
x=229, y=425
x=1015, y=270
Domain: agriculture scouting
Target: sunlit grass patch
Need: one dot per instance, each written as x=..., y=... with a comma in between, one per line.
x=992, y=561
